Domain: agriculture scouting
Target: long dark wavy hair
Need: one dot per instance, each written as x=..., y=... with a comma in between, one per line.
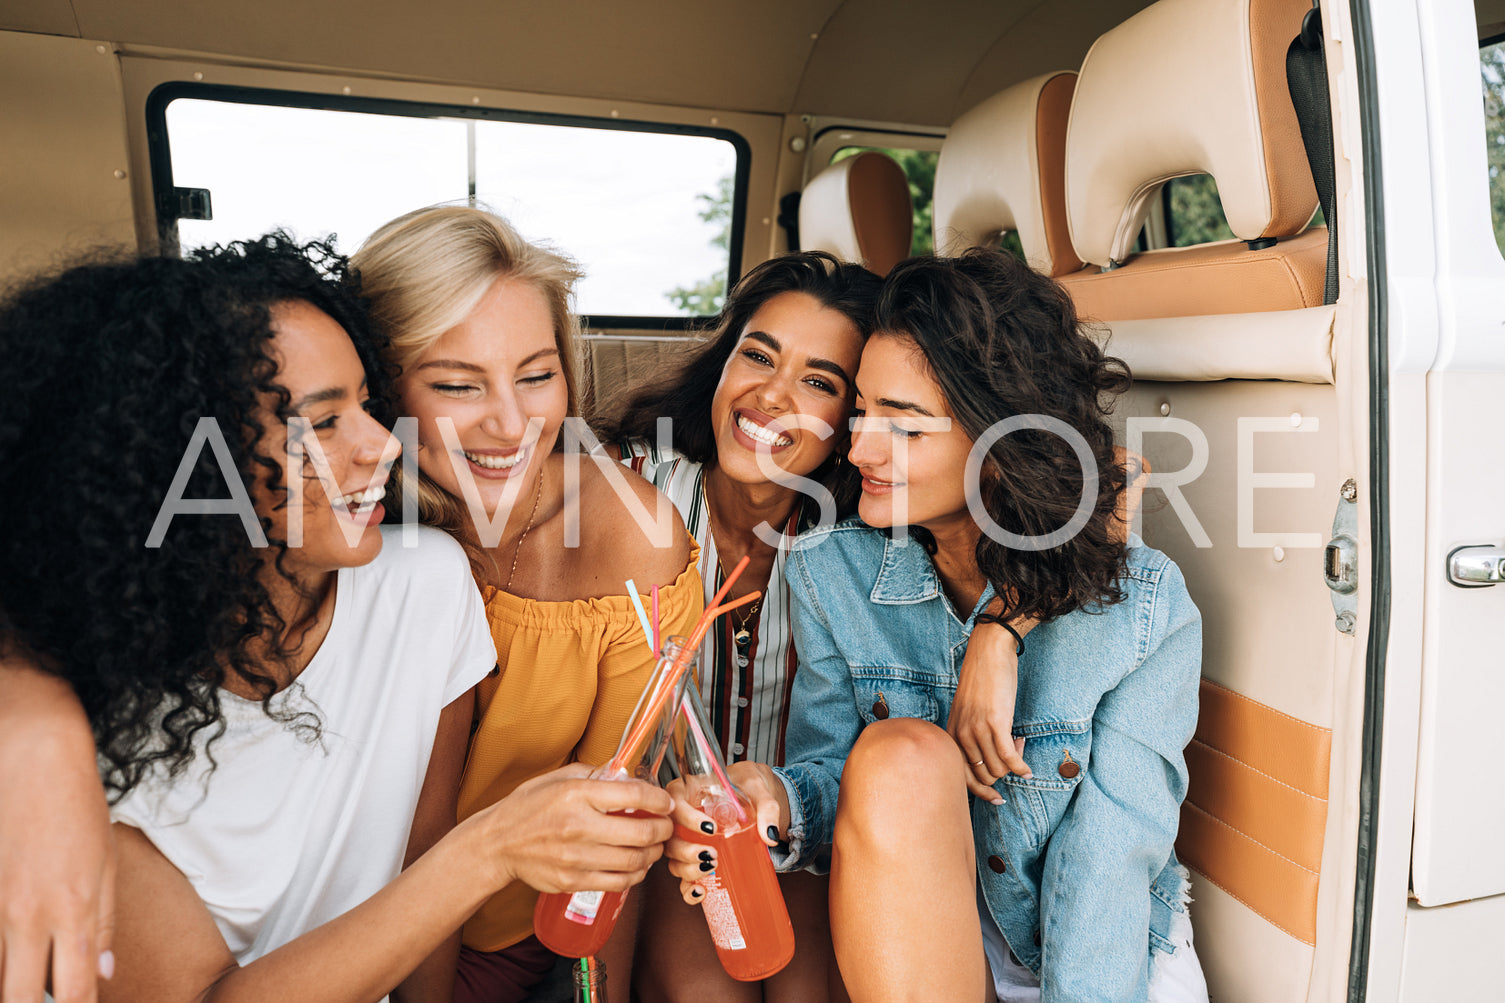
x=685, y=389
x=1003, y=340
x=107, y=369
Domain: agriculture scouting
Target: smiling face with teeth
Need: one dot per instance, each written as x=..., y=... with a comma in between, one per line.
x=786, y=382
x=489, y=375
x=326, y=385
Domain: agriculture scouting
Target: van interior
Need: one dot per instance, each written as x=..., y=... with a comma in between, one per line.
x=1156, y=158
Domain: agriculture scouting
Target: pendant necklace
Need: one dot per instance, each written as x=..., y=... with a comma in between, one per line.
x=743, y=616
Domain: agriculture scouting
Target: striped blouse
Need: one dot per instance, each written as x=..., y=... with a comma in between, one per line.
x=746, y=693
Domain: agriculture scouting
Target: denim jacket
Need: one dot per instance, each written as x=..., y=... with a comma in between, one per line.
x=1076, y=866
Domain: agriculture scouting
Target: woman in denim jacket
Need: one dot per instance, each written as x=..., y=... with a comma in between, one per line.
x=982, y=405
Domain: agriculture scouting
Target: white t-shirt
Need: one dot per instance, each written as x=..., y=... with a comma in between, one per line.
x=288, y=831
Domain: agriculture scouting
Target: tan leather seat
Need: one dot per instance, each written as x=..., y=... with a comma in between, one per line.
x=1190, y=87
x=859, y=209
x=1002, y=169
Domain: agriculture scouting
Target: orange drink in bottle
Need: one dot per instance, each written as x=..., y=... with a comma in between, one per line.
x=743, y=906
x=578, y=924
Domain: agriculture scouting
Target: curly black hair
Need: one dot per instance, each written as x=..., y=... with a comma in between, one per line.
x=685, y=391
x=1002, y=340
x=107, y=368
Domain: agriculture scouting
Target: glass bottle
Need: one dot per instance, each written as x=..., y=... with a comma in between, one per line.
x=578, y=924
x=743, y=906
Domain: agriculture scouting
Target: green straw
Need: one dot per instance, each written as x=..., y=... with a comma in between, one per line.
x=586, y=992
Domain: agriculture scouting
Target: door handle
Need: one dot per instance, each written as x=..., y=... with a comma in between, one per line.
x=1476, y=566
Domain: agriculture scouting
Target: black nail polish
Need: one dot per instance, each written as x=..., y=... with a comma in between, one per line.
x=709, y=828
x=706, y=865
x=773, y=833
x=705, y=856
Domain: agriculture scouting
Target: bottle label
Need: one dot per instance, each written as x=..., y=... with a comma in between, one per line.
x=582, y=907
x=720, y=916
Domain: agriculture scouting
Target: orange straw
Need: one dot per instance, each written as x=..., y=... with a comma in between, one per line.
x=689, y=716
x=681, y=665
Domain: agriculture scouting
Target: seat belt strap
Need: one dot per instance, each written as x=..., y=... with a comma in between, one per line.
x=1306, y=75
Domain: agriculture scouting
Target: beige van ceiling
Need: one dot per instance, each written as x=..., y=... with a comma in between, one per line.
x=890, y=60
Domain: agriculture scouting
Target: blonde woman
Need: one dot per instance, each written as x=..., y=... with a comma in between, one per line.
x=481, y=325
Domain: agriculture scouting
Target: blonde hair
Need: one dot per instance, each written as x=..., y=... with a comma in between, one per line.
x=426, y=271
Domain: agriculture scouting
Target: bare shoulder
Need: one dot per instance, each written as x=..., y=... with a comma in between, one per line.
x=629, y=527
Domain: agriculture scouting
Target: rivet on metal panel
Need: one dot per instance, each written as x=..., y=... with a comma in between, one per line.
x=345, y=89
x=615, y=113
x=797, y=144
x=1279, y=553
x=715, y=120
x=475, y=100
x=1165, y=408
x=766, y=221
x=100, y=49
x=1295, y=419
x=1345, y=622
x=119, y=175
x=197, y=75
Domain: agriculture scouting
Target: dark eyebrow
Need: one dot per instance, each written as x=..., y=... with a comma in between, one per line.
x=825, y=365
x=766, y=339
x=903, y=406
x=325, y=396
x=471, y=367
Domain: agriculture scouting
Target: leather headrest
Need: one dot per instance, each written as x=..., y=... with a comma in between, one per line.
x=859, y=209
x=1187, y=87
x=1003, y=167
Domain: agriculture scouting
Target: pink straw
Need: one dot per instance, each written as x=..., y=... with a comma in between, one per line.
x=726, y=783
x=658, y=644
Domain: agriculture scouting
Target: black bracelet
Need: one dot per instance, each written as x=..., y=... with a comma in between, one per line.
x=983, y=618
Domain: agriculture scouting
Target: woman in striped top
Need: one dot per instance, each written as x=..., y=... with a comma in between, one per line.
x=757, y=424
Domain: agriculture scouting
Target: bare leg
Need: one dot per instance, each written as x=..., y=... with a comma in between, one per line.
x=811, y=976
x=617, y=955
x=903, y=877
x=676, y=959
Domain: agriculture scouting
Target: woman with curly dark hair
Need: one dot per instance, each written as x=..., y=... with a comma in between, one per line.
x=280, y=692
x=983, y=435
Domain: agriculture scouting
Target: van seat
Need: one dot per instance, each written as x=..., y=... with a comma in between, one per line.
x=1190, y=87
x=1003, y=168
x=859, y=209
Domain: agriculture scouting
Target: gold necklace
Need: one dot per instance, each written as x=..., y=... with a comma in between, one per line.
x=744, y=615
x=537, y=494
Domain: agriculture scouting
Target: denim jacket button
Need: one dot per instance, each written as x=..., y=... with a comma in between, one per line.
x=880, y=708
x=1068, y=767
x=997, y=864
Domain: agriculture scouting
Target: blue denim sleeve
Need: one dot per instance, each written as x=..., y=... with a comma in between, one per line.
x=1116, y=837
x=823, y=726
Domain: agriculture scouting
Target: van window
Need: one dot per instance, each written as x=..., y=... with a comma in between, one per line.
x=648, y=212
x=1492, y=73
x=1193, y=211
x=919, y=168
